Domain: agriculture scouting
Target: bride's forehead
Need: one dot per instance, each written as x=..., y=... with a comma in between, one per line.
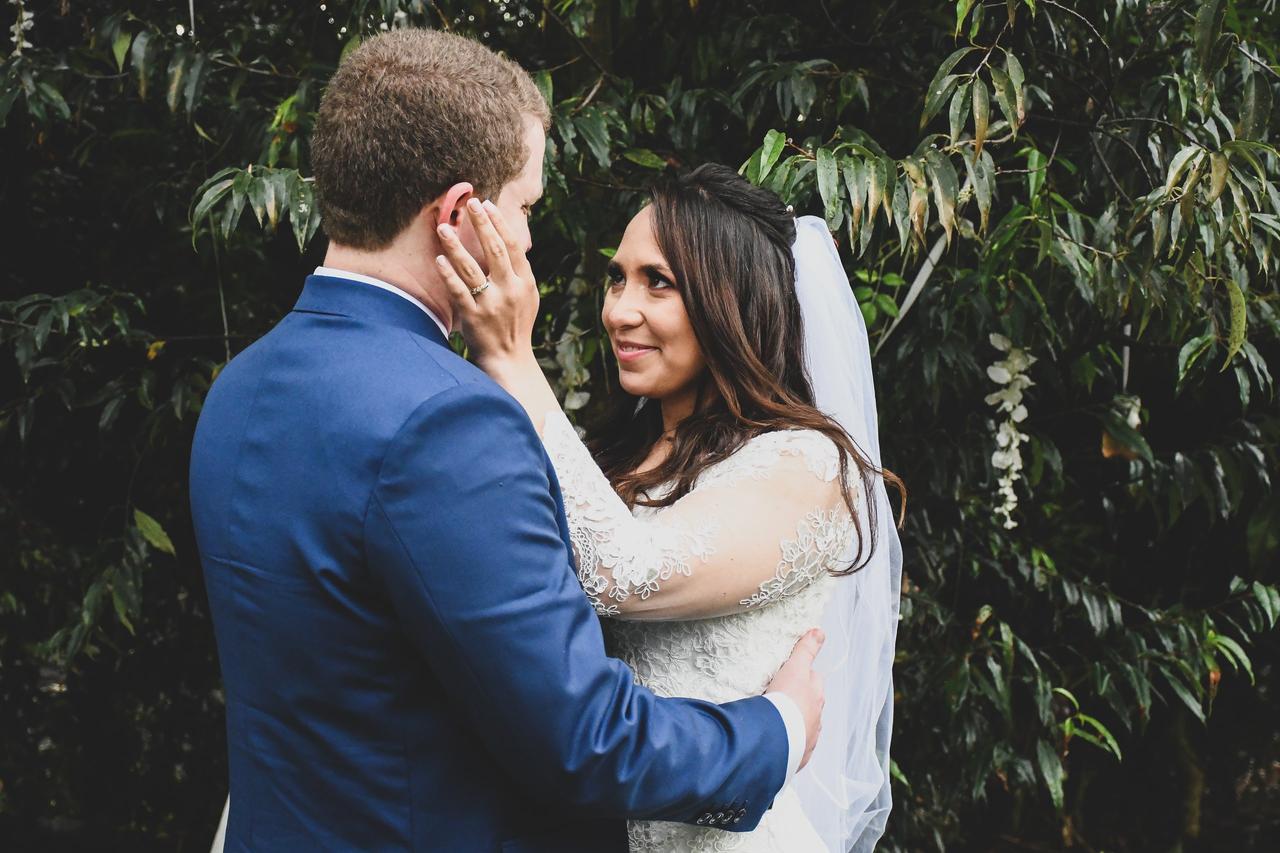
x=639, y=245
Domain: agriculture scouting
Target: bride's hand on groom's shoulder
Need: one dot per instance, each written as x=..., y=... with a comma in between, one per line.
x=496, y=312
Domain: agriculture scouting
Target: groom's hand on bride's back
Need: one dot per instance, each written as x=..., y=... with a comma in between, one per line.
x=798, y=681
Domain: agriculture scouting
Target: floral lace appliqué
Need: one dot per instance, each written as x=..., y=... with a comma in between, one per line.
x=820, y=538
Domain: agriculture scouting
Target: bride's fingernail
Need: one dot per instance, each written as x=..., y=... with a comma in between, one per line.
x=445, y=229
x=474, y=204
x=490, y=206
x=440, y=259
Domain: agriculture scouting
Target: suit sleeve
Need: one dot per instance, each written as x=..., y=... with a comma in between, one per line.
x=464, y=530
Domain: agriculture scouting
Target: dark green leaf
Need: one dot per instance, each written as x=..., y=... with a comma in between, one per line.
x=1218, y=170
x=981, y=114
x=1207, y=28
x=1006, y=97
x=178, y=67
x=901, y=212
x=235, y=207
x=1236, y=332
x=197, y=74
x=963, y=8
x=1051, y=772
x=1265, y=598
x=644, y=157
x=938, y=90
x=1184, y=694
x=857, y=182
x=828, y=187
x=885, y=303
x=774, y=143
x=958, y=112
x=138, y=56
x=946, y=186
x=152, y=532
x=1017, y=77
x=1255, y=115
x=591, y=124
x=1037, y=166
x=120, y=47
x=938, y=97
x=1190, y=353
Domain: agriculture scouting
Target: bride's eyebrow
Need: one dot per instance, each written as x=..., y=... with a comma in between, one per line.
x=658, y=271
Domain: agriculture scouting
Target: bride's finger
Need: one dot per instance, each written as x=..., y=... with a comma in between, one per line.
x=459, y=258
x=500, y=225
x=459, y=293
x=491, y=242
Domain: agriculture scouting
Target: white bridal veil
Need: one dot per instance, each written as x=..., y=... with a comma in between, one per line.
x=845, y=786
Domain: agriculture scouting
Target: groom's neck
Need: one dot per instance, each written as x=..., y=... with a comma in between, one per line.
x=412, y=271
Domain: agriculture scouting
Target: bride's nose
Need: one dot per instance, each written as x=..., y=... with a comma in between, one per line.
x=622, y=310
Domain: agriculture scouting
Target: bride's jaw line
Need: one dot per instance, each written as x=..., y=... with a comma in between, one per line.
x=678, y=405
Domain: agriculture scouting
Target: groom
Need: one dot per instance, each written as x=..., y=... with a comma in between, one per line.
x=409, y=661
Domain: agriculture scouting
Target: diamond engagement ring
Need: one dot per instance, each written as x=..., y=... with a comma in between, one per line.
x=476, y=291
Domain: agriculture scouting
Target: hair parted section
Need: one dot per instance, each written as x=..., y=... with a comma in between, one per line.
x=407, y=115
x=729, y=246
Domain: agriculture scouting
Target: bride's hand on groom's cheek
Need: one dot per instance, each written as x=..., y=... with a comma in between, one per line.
x=496, y=312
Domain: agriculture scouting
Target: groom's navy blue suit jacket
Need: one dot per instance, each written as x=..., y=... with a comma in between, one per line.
x=409, y=661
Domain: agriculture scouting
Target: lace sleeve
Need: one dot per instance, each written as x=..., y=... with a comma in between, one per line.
x=756, y=528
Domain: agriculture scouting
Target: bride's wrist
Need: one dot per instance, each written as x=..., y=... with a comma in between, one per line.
x=510, y=366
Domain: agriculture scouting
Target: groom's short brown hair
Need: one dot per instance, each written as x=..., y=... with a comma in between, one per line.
x=407, y=115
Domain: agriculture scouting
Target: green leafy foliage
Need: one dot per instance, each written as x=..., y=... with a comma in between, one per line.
x=1095, y=182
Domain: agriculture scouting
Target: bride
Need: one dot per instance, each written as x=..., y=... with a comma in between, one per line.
x=736, y=498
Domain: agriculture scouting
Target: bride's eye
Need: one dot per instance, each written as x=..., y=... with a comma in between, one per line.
x=657, y=282
x=613, y=276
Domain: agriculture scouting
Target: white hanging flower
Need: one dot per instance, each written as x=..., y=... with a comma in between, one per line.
x=1134, y=416
x=22, y=24
x=999, y=373
x=1009, y=372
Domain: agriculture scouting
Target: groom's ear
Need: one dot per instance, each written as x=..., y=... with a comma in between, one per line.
x=453, y=202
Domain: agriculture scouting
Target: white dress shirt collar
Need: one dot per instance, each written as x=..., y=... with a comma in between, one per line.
x=330, y=272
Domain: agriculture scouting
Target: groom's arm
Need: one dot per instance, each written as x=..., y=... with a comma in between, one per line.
x=463, y=528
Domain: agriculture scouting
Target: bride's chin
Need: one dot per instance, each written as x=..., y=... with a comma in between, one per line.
x=629, y=383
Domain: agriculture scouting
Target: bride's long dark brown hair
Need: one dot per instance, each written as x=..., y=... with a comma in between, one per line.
x=728, y=244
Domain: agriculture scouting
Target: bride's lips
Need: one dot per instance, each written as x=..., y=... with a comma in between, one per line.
x=626, y=351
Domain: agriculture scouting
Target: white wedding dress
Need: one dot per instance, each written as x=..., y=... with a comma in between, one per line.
x=736, y=570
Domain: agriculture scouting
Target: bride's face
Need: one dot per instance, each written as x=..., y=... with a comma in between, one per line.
x=644, y=314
